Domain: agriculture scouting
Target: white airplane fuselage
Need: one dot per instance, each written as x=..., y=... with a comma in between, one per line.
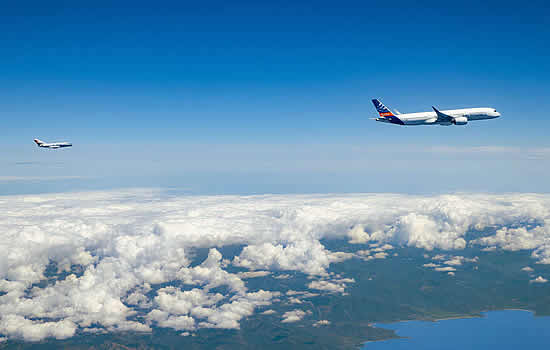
x=430, y=118
x=436, y=117
x=52, y=145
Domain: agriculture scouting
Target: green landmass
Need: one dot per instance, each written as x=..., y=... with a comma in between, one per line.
x=385, y=290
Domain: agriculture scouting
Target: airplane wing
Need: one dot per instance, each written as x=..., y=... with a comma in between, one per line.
x=442, y=117
x=54, y=146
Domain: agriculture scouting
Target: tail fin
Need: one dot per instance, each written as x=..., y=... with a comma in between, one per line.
x=382, y=110
x=38, y=142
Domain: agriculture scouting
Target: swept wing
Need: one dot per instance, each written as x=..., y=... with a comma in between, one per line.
x=442, y=117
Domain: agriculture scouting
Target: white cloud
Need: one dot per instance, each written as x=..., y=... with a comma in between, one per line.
x=321, y=323
x=539, y=279
x=517, y=238
x=269, y=312
x=345, y=280
x=430, y=265
x=293, y=316
x=445, y=269
x=381, y=255
x=164, y=319
x=527, y=269
x=383, y=248
x=113, y=246
x=309, y=256
x=450, y=261
x=228, y=315
x=337, y=285
x=358, y=235
x=176, y=302
x=34, y=331
x=542, y=253
x=328, y=286
x=211, y=275
x=459, y=260
x=455, y=261
x=365, y=252
x=306, y=294
x=293, y=292
x=253, y=274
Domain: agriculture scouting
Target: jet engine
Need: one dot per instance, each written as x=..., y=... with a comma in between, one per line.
x=460, y=121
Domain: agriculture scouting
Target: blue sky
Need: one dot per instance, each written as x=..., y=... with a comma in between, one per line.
x=275, y=97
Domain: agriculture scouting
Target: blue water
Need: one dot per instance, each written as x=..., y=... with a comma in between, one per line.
x=509, y=329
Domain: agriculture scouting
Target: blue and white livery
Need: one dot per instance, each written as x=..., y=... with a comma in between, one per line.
x=437, y=117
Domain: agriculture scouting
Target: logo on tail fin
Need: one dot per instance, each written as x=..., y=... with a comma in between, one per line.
x=382, y=110
x=386, y=115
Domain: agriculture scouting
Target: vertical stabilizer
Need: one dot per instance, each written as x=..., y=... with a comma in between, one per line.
x=386, y=115
x=381, y=109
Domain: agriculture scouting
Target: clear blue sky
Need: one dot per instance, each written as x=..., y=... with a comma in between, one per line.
x=248, y=97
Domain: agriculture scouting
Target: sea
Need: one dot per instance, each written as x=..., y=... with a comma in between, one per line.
x=509, y=329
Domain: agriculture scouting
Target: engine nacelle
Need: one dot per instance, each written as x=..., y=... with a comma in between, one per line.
x=460, y=121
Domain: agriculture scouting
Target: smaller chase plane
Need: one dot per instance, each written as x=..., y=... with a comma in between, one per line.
x=437, y=117
x=53, y=145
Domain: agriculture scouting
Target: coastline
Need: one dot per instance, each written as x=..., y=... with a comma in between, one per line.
x=481, y=314
x=477, y=315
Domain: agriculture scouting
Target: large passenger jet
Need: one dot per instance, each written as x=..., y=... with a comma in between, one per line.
x=54, y=145
x=437, y=117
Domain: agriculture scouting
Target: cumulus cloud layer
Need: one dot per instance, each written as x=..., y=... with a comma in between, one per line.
x=96, y=261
